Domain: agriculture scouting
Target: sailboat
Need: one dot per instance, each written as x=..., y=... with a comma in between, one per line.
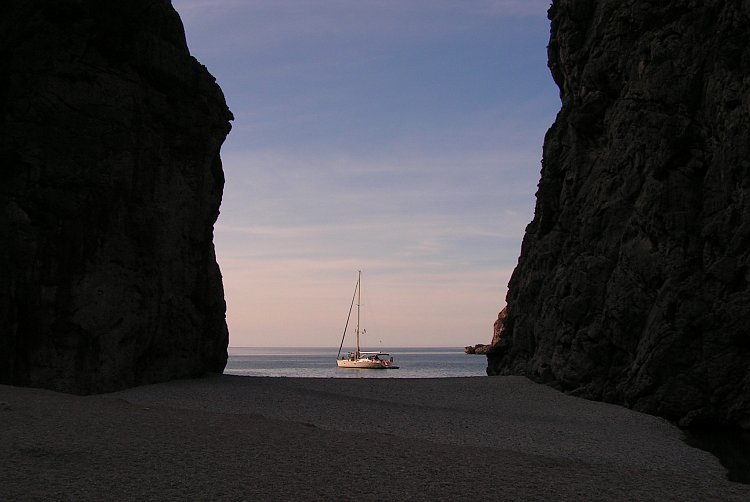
x=359, y=359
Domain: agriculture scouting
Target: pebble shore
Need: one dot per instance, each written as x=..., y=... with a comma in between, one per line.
x=255, y=438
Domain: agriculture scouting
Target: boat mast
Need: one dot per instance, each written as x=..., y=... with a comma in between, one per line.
x=349, y=316
x=359, y=292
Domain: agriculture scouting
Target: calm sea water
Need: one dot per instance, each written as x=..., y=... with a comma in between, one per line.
x=321, y=363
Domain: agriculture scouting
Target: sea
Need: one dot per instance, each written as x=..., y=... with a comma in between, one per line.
x=320, y=362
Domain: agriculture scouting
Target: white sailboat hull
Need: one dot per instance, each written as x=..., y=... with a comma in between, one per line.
x=358, y=363
x=363, y=363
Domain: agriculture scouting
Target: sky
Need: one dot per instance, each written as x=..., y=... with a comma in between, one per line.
x=402, y=138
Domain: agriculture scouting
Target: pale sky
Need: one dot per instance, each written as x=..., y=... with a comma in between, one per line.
x=402, y=138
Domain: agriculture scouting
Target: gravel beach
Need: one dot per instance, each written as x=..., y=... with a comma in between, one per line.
x=254, y=438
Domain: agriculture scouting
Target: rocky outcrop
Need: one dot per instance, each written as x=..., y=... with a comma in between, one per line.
x=480, y=348
x=497, y=331
x=633, y=284
x=498, y=328
x=110, y=183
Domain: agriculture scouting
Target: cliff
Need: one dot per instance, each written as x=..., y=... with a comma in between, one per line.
x=633, y=283
x=110, y=183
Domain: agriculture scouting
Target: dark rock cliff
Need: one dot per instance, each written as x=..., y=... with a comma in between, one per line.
x=110, y=183
x=633, y=284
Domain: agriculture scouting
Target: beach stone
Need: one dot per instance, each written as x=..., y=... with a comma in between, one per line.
x=111, y=183
x=633, y=283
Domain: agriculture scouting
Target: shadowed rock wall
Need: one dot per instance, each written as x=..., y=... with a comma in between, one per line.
x=633, y=281
x=110, y=183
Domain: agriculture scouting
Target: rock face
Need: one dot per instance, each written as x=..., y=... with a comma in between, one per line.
x=110, y=183
x=633, y=284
